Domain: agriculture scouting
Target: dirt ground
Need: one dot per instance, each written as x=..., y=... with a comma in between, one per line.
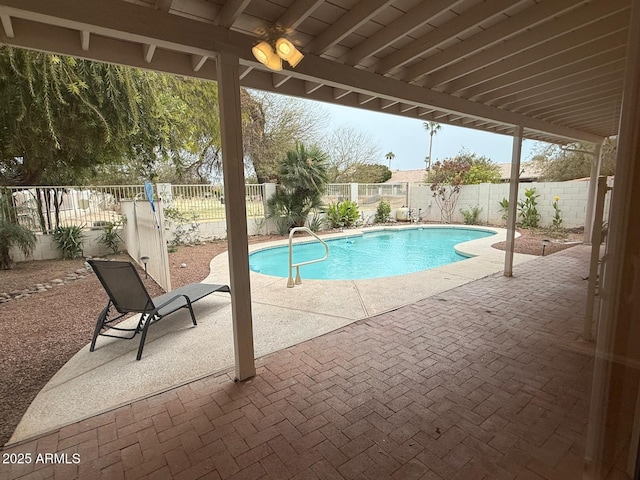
x=42, y=331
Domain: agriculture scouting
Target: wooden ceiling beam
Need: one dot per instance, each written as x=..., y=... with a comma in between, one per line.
x=569, y=94
x=555, y=77
x=563, y=85
x=573, y=45
x=175, y=36
x=535, y=17
x=164, y=5
x=230, y=12
x=606, y=95
x=347, y=23
x=85, y=37
x=548, y=64
x=404, y=25
x=461, y=23
x=298, y=13
x=7, y=25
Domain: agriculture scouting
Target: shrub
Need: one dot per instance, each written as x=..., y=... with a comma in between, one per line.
x=69, y=240
x=110, y=238
x=13, y=234
x=528, y=211
x=343, y=214
x=303, y=175
x=504, y=208
x=383, y=212
x=471, y=216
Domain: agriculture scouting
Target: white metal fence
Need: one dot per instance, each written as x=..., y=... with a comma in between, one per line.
x=42, y=209
x=370, y=194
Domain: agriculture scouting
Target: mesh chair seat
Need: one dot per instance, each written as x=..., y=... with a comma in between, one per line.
x=127, y=294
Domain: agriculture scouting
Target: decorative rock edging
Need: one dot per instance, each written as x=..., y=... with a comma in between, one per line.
x=71, y=277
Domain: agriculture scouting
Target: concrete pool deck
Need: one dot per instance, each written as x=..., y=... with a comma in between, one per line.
x=177, y=353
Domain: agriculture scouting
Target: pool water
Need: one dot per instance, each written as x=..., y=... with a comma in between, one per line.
x=372, y=255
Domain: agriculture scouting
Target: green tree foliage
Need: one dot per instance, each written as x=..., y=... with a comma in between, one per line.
x=343, y=214
x=62, y=117
x=272, y=126
x=557, y=164
x=303, y=176
x=371, y=173
x=12, y=234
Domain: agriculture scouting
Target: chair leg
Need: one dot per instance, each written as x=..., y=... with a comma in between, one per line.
x=143, y=337
x=99, y=324
x=193, y=316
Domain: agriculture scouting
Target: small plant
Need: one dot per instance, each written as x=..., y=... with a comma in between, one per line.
x=471, y=216
x=69, y=240
x=557, y=217
x=187, y=231
x=383, y=212
x=315, y=224
x=530, y=218
x=556, y=229
x=343, y=214
x=110, y=238
x=13, y=234
x=504, y=208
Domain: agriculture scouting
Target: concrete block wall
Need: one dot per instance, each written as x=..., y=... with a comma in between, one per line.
x=572, y=203
x=47, y=250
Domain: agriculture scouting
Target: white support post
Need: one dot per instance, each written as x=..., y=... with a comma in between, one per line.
x=354, y=192
x=596, y=162
x=614, y=422
x=234, y=193
x=513, y=200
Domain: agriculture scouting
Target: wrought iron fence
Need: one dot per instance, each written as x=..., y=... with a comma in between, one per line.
x=43, y=208
x=336, y=192
x=370, y=194
x=206, y=202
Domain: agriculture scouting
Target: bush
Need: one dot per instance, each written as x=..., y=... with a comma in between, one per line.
x=13, y=234
x=530, y=218
x=343, y=214
x=110, y=237
x=471, y=216
x=69, y=240
x=383, y=212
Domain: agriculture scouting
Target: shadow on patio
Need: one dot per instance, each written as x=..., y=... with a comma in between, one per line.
x=487, y=380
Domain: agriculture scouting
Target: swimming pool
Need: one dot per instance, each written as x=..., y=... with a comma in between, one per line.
x=377, y=254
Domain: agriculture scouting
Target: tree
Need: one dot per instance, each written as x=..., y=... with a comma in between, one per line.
x=62, y=117
x=559, y=164
x=303, y=175
x=447, y=179
x=272, y=126
x=371, y=173
x=390, y=156
x=481, y=169
x=432, y=128
x=349, y=149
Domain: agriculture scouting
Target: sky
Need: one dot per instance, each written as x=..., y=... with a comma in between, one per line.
x=409, y=141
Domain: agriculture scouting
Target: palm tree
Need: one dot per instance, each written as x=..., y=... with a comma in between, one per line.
x=432, y=128
x=303, y=174
x=390, y=156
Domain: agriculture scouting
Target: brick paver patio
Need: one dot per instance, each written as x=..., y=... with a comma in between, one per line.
x=488, y=380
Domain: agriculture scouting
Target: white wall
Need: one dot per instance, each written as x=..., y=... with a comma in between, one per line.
x=46, y=249
x=572, y=203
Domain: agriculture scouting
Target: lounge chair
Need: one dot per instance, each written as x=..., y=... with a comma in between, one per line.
x=127, y=294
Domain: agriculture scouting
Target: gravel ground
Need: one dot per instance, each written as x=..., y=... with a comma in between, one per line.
x=41, y=332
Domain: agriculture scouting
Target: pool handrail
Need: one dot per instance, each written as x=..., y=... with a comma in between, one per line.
x=298, y=280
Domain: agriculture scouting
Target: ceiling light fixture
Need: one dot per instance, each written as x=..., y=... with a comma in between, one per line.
x=284, y=50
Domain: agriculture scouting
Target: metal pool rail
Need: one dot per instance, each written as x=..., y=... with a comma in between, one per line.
x=298, y=280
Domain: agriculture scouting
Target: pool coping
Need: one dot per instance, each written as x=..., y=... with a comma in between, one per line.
x=110, y=377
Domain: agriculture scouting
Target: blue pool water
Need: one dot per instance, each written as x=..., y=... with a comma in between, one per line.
x=371, y=255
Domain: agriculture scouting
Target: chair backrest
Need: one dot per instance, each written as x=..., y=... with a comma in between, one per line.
x=123, y=285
